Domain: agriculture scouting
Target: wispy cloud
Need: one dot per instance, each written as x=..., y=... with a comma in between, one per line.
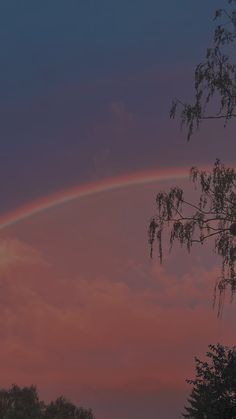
x=14, y=252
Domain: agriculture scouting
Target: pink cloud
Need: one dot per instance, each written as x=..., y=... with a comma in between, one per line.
x=99, y=321
x=110, y=335
x=14, y=252
x=121, y=113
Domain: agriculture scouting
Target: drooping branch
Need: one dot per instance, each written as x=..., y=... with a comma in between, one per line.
x=212, y=217
x=214, y=78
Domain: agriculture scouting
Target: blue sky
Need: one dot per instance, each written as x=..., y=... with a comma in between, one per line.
x=46, y=45
x=86, y=89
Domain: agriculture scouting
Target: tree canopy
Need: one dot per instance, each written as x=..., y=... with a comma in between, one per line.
x=20, y=403
x=24, y=403
x=213, y=395
x=63, y=409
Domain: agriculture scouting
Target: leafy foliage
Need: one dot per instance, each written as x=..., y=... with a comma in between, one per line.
x=213, y=216
x=214, y=388
x=20, y=403
x=62, y=409
x=215, y=78
x=24, y=403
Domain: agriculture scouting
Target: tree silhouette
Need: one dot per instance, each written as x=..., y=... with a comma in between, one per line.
x=24, y=403
x=214, y=389
x=214, y=78
x=20, y=403
x=213, y=215
x=62, y=409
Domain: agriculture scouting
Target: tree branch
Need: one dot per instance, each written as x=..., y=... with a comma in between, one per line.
x=218, y=116
x=206, y=237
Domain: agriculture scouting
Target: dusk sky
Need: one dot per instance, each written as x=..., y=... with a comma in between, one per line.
x=86, y=88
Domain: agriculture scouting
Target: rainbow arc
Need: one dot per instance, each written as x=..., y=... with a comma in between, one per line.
x=88, y=189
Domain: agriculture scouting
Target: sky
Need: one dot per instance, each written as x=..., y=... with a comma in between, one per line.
x=86, y=89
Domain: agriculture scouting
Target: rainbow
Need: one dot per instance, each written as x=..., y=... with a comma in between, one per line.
x=63, y=197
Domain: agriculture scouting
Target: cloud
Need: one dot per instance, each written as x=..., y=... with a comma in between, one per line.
x=106, y=332
x=101, y=323
x=14, y=252
x=120, y=112
x=84, y=337
x=192, y=289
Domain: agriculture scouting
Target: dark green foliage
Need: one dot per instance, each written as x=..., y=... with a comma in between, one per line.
x=215, y=78
x=20, y=403
x=214, y=389
x=62, y=409
x=213, y=216
x=23, y=403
